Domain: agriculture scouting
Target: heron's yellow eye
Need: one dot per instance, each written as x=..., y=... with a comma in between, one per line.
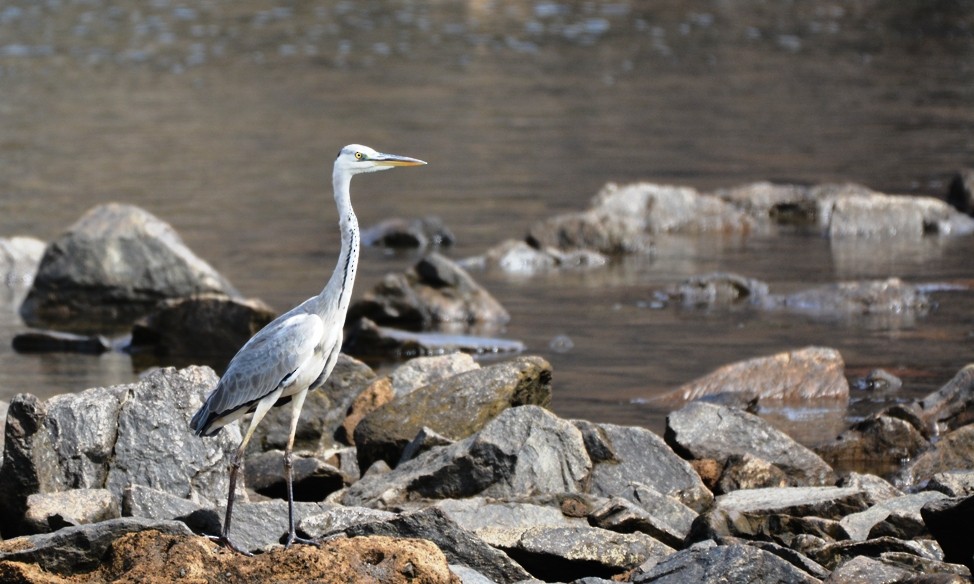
x=359, y=156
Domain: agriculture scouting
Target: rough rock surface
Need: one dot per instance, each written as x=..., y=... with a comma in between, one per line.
x=48, y=512
x=707, y=562
x=455, y=407
x=707, y=431
x=112, y=266
x=435, y=290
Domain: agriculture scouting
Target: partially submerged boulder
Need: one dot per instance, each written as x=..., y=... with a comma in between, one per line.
x=113, y=266
x=405, y=233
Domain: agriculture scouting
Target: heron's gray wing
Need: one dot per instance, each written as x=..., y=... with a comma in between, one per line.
x=274, y=357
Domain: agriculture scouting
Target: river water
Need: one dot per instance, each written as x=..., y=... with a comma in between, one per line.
x=223, y=117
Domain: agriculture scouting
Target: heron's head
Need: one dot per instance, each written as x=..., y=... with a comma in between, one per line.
x=356, y=159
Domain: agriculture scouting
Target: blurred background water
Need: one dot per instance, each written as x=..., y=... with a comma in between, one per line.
x=222, y=117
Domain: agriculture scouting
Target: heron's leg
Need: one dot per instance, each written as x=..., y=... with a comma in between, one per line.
x=297, y=402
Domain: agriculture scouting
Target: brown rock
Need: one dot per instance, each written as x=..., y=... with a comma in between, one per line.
x=376, y=395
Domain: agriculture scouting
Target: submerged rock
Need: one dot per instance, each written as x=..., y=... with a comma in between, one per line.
x=402, y=233
x=60, y=342
x=367, y=339
x=113, y=266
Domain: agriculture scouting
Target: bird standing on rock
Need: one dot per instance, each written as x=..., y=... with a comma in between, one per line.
x=297, y=351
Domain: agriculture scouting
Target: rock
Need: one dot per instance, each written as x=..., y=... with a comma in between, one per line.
x=749, y=472
x=47, y=512
x=435, y=290
x=425, y=439
x=952, y=452
x=719, y=289
x=313, y=478
x=19, y=259
x=98, y=439
x=260, y=525
x=323, y=412
x=455, y=407
x=338, y=519
x=953, y=483
x=951, y=406
x=875, y=215
x=960, y=192
x=879, y=381
x=864, y=570
x=949, y=522
x=899, y=518
x=879, y=440
x=781, y=204
x=458, y=545
x=524, y=450
x=519, y=257
x=113, y=266
x=154, y=557
x=209, y=326
x=825, y=502
x=81, y=548
x=707, y=562
x=640, y=456
x=834, y=554
x=401, y=233
x=890, y=297
x=877, y=488
x=377, y=394
x=707, y=431
x=60, y=342
x=813, y=373
x=563, y=552
x=501, y=523
x=654, y=514
x=4, y=406
x=367, y=339
x=149, y=503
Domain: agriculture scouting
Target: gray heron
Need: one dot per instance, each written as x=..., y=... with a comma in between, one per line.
x=297, y=351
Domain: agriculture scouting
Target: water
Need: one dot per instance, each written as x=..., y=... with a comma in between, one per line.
x=222, y=118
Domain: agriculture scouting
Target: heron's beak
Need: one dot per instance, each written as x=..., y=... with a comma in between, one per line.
x=396, y=160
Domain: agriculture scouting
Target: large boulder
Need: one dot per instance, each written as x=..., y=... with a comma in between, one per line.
x=707, y=431
x=455, y=407
x=112, y=267
x=436, y=290
x=112, y=438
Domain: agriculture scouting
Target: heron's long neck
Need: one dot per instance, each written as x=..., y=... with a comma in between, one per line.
x=338, y=291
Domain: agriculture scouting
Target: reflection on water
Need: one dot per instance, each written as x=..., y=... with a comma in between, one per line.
x=222, y=119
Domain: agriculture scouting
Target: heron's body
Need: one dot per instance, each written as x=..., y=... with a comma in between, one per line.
x=297, y=351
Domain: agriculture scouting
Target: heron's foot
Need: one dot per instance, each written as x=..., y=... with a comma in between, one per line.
x=292, y=538
x=224, y=541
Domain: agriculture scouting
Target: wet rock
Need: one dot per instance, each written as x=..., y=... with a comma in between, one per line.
x=949, y=522
x=951, y=406
x=899, y=518
x=880, y=439
x=706, y=562
x=323, y=412
x=367, y=339
x=781, y=204
x=812, y=373
x=435, y=290
x=402, y=233
x=719, y=289
x=960, y=192
x=951, y=452
x=98, y=439
x=519, y=257
x=338, y=519
x=860, y=298
x=60, y=342
x=210, y=326
x=458, y=545
x=640, y=456
x=524, y=450
x=313, y=478
x=113, y=266
x=707, y=431
x=81, y=548
x=47, y=512
x=953, y=483
x=455, y=407
x=879, y=381
x=875, y=215
x=19, y=259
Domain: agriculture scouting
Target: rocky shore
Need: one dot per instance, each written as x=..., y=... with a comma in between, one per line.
x=451, y=470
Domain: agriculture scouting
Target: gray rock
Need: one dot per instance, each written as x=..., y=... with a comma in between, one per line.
x=749, y=472
x=458, y=545
x=338, y=519
x=79, y=549
x=949, y=521
x=730, y=564
x=657, y=515
x=951, y=406
x=857, y=299
x=519, y=257
x=435, y=290
x=797, y=559
x=953, y=483
x=313, y=478
x=640, y=456
x=524, y=450
x=19, y=259
x=366, y=339
x=834, y=554
x=112, y=438
x=469, y=575
x=260, y=525
x=877, y=488
x=210, y=326
x=401, y=233
x=149, y=503
x=37, y=341
x=113, y=266
x=563, y=552
x=812, y=373
x=425, y=439
x=501, y=523
x=702, y=431
x=48, y=512
x=899, y=517
x=865, y=570
x=878, y=440
x=454, y=407
x=421, y=371
x=875, y=215
x=719, y=289
x=825, y=502
x=951, y=452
